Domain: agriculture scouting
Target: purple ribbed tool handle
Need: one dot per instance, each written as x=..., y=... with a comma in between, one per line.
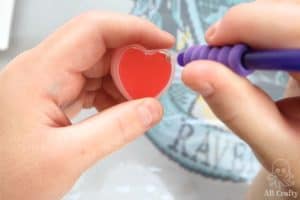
x=243, y=60
x=231, y=56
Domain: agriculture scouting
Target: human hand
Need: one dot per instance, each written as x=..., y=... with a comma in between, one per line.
x=271, y=128
x=41, y=152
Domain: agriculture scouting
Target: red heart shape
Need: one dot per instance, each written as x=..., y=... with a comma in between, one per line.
x=140, y=73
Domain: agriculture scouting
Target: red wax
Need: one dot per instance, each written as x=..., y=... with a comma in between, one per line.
x=144, y=75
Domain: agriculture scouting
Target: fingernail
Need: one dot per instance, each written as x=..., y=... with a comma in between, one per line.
x=206, y=89
x=149, y=112
x=211, y=32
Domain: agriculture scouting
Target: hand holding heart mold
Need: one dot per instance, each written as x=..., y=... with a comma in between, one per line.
x=138, y=72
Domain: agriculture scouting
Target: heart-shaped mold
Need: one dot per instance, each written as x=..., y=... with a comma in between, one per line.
x=140, y=73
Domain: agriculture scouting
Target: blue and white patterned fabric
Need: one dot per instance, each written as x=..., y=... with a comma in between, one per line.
x=190, y=134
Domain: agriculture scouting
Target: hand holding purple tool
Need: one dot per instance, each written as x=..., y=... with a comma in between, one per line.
x=243, y=60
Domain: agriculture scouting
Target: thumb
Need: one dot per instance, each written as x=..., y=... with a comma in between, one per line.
x=249, y=112
x=108, y=131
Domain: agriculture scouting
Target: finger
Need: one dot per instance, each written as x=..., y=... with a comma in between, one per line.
x=110, y=88
x=93, y=84
x=248, y=111
x=262, y=24
x=293, y=88
x=79, y=45
x=73, y=109
x=290, y=108
x=104, y=101
x=89, y=99
x=108, y=131
x=296, y=76
x=85, y=100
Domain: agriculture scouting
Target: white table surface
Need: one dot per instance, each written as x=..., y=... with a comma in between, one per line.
x=139, y=171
